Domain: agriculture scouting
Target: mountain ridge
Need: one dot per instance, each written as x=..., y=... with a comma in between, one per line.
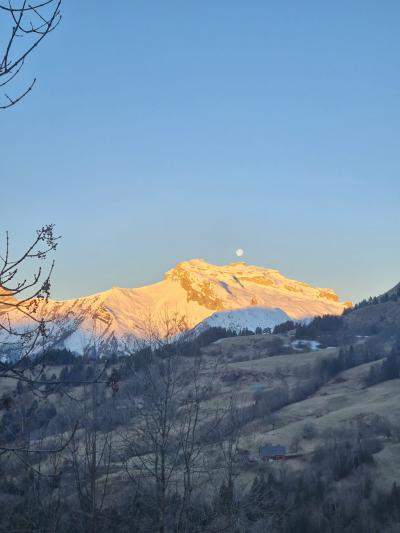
x=193, y=289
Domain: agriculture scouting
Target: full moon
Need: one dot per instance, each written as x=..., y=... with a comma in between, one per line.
x=239, y=252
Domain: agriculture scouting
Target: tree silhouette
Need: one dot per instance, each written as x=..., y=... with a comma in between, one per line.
x=24, y=26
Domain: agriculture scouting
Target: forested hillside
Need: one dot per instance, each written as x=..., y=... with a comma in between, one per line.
x=169, y=439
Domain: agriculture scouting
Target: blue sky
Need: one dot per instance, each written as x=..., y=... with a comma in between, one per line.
x=164, y=131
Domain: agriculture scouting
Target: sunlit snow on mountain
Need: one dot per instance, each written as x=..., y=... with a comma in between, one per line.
x=236, y=295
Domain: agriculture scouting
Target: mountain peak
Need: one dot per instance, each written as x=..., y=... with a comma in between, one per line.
x=214, y=287
x=204, y=266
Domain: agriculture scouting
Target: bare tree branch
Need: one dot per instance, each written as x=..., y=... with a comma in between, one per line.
x=28, y=25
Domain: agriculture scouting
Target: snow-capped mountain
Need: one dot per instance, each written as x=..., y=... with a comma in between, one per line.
x=249, y=318
x=195, y=290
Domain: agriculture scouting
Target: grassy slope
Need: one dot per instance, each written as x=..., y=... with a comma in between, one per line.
x=340, y=403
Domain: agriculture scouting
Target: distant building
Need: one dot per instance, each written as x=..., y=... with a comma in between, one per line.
x=272, y=453
x=243, y=455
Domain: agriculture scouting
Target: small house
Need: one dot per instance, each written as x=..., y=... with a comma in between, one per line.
x=272, y=453
x=243, y=456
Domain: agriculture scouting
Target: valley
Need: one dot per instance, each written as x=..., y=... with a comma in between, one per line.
x=208, y=416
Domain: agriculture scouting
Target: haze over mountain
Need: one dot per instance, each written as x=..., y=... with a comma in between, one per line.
x=236, y=295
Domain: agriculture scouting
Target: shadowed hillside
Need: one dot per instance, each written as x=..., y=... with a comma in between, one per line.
x=178, y=433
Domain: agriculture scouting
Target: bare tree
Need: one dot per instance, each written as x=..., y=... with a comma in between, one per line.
x=153, y=442
x=190, y=441
x=28, y=25
x=20, y=296
x=91, y=459
x=24, y=323
x=161, y=329
x=163, y=452
x=25, y=282
x=43, y=481
x=228, y=513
